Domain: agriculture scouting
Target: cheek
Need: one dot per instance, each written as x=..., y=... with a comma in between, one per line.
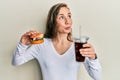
x=71, y=21
x=60, y=27
x=60, y=24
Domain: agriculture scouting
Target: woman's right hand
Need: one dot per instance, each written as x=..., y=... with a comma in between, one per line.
x=25, y=39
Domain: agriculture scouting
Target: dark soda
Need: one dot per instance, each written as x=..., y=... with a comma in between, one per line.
x=79, y=57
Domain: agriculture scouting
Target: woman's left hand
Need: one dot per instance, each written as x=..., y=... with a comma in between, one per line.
x=88, y=51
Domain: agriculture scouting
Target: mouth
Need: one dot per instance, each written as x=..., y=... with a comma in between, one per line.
x=67, y=28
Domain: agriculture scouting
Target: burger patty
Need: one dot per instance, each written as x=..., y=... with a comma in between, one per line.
x=36, y=39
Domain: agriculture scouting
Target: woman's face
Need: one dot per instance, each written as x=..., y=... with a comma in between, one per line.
x=64, y=21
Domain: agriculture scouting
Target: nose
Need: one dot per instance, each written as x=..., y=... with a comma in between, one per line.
x=67, y=21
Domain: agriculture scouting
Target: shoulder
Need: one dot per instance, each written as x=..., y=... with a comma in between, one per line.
x=47, y=40
x=42, y=46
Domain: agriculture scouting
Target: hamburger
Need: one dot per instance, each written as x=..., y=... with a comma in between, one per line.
x=37, y=38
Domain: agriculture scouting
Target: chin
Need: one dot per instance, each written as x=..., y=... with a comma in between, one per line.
x=69, y=31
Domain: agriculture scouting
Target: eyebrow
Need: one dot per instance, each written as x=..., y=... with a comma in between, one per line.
x=63, y=14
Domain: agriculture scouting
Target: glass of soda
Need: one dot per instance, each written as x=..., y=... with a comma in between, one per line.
x=78, y=45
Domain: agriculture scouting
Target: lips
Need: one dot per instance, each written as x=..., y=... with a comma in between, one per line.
x=67, y=28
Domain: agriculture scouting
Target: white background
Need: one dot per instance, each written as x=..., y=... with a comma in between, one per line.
x=100, y=20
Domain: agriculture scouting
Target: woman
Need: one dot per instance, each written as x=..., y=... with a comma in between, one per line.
x=56, y=55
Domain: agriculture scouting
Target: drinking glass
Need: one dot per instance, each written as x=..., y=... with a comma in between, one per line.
x=78, y=45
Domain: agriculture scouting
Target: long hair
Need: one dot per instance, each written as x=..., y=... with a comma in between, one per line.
x=51, y=29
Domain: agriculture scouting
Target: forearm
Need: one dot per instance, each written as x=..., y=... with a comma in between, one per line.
x=20, y=55
x=93, y=67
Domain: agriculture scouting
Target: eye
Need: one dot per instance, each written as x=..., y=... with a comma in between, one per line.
x=69, y=16
x=61, y=17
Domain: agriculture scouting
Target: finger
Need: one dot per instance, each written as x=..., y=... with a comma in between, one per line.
x=28, y=42
x=87, y=45
x=87, y=53
x=86, y=50
x=90, y=56
x=29, y=33
x=33, y=32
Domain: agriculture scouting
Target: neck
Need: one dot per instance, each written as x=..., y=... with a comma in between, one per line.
x=61, y=38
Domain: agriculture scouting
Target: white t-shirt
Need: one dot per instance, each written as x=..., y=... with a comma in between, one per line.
x=53, y=65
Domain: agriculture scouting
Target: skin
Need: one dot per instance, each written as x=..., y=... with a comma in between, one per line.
x=60, y=43
x=64, y=23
